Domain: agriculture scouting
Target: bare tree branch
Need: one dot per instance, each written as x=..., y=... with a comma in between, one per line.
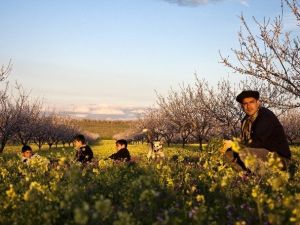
x=272, y=56
x=5, y=70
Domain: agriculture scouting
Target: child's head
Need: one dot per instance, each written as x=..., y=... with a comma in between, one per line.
x=27, y=151
x=121, y=144
x=79, y=140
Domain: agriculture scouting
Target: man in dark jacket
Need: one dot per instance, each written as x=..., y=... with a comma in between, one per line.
x=122, y=153
x=84, y=153
x=261, y=133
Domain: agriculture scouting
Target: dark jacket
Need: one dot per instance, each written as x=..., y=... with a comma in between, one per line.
x=84, y=154
x=267, y=132
x=122, y=154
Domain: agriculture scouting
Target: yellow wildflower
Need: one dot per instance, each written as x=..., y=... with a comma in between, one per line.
x=11, y=192
x=200, y=198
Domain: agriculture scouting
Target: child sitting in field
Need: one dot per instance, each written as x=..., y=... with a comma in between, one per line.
x=84, y=153
x=122, y=151
x=27, y=153
x=34, y=161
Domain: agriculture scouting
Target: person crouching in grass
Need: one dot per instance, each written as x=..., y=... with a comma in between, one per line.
x=84, y=153
x=262, y=135
x=122, y=153
x=27, y=153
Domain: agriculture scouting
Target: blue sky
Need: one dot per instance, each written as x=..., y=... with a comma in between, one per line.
x=104, y=59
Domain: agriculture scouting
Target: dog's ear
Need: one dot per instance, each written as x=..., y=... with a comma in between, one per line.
x=162, y=141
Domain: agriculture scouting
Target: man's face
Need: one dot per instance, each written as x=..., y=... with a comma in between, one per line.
x=77, y=144
x=27, y=154
x=119, y=146
x=250, y=105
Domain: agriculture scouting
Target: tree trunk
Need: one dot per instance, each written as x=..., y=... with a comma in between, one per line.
x=183, y=142
x=290, y=140
x=3, y=143
x=168, y=142
x=200, y=143
x=39, y=144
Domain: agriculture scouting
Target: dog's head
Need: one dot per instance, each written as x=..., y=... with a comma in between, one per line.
x=157, y=145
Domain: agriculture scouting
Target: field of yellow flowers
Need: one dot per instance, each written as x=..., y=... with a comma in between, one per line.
x=189, y=187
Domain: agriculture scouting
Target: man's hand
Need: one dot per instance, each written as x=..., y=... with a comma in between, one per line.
x=226, y=145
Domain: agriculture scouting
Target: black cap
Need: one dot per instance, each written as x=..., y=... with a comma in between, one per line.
x=247, y=94
x=26, y=148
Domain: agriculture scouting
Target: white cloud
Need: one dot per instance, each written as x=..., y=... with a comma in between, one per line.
x=244, y=2
x=200, y=2
x=96, y=109
x=81, y=109
x=107, y=111
x=192, y=2
x=103, y=111
x=138, y=111
x=80, y=115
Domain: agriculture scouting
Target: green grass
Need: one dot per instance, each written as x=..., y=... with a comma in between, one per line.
x=104, y=148
x=139, y=151
x=189, y=187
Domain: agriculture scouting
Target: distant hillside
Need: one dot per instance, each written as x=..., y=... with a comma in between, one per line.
x=106, y=129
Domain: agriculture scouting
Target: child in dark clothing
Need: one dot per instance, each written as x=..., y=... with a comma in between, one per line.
x=84, y=153
x=122, y=151
x=27, y=154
